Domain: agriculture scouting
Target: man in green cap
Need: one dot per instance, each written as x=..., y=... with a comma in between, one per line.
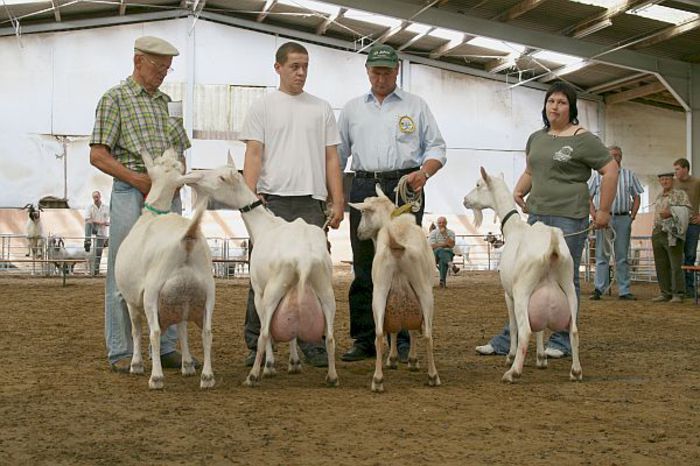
x=131, y=116
x=389, y=133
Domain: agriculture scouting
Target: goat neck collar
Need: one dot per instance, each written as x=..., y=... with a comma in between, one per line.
x=507, y=217
x=404, y=209
x=251, y=206
x=148, y=206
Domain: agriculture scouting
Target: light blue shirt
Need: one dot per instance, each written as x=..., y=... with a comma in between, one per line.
x=628, y=187
x=399, y=133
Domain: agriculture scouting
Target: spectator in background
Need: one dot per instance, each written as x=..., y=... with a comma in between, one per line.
x=96, y=223
x=691, y=186
x=442, y=240
x=624, y=211
x=671, y=214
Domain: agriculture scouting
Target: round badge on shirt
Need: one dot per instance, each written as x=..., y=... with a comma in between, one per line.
x=406, y=124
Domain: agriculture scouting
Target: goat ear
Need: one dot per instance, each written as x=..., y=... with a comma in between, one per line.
x=192, y=177
x=147, y=159
x=40, y=208
x=229, y=159
x=27, y=206
x=357, y=205
x=484, y=175
x=379, y=191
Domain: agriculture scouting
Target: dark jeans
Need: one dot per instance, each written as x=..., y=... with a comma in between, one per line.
x=360, y=295
x=289, y=208
x=691, y=247
x=443, y=257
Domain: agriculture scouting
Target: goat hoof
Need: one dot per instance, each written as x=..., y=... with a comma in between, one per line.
x=269, y=369
x=207, y=381
x=377, y=385
x=576, y=376
x=434, y=380
x=332, y=382
x=509, y=359
x=542, y=363
x=413, y=364
x=510, y=377
x=251, y=381
x=188, y=368
x=294, y=368
x=392, y=363
x=155, y=383
x=136, y=369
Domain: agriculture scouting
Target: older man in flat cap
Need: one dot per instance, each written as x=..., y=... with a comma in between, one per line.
x=389, y=133
x=672, y=211
x=133, y=115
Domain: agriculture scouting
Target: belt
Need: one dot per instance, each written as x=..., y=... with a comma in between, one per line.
x=621, y=213
x=387, y=175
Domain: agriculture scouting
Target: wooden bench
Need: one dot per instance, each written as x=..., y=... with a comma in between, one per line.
x=696, y=278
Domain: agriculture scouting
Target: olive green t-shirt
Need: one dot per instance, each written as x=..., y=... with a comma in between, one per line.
x=691, y=186
x=560, y=168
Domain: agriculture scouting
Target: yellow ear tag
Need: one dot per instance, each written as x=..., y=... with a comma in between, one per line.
x=404, y=209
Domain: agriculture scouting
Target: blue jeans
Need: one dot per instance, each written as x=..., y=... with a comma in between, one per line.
x=622, y=226
x=125, y=208
x=443, y=256
x=97, y=246
x=691, y=246
x=558, y=340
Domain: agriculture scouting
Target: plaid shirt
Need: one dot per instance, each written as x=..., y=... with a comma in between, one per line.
x=127, y=117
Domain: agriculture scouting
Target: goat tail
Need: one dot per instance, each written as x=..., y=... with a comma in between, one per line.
x=553, y=253
x=193, y=233
x=303, y=272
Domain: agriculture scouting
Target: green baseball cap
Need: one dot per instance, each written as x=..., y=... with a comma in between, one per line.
x=382, y=55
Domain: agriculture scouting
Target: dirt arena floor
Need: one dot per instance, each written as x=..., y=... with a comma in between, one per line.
x=639, y=402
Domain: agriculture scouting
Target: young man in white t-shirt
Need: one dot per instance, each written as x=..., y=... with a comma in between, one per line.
x=291, y=162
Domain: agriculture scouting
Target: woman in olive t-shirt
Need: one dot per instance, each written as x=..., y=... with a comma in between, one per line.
x=560, y=157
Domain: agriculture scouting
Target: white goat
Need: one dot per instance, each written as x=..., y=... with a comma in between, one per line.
x=163, y=268
x=35, y=231
x=402, y=274
x=536, y=273
x=58, y=252
x=290, y=272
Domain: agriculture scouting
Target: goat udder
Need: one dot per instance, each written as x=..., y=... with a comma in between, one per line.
x=403, y=311
x=548, y=308
x=298, y=318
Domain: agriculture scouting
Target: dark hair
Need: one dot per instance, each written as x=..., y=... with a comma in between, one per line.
x=287, y=48
x=570, y=93
x=683, y=163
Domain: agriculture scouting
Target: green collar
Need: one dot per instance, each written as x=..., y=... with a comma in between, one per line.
x=404, y=209
x=148, y=206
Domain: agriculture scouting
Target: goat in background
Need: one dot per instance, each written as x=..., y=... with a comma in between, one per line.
x=35, y=231
x=402, y=274
x=536, y=272
x=163, y=269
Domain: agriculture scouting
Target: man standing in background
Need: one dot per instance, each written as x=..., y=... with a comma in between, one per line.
x=691, y=186
x=96, y=223
x=624, y=211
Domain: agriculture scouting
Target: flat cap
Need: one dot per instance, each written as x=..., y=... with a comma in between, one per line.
x=669, y=174
x=155, y=46
x=382, y=55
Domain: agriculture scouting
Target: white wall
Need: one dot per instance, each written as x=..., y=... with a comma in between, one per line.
x=56, y=80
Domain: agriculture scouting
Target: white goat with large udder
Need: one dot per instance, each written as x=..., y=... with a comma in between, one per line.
x=536, y=273
x=163, y=268
x=290, y=272
x=402, y=275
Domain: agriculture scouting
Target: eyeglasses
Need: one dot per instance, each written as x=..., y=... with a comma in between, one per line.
x=160, y=66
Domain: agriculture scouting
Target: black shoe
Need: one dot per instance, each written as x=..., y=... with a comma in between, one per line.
x=358, y=352
x=595, y=296
x=173, y=360
x=316, y=356
x=86, y=245
x=628, y=297
x=250, y=359
x=403, y=353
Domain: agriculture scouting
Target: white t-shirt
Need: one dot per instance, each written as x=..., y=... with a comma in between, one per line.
x=295, y=131
x=99, y=214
